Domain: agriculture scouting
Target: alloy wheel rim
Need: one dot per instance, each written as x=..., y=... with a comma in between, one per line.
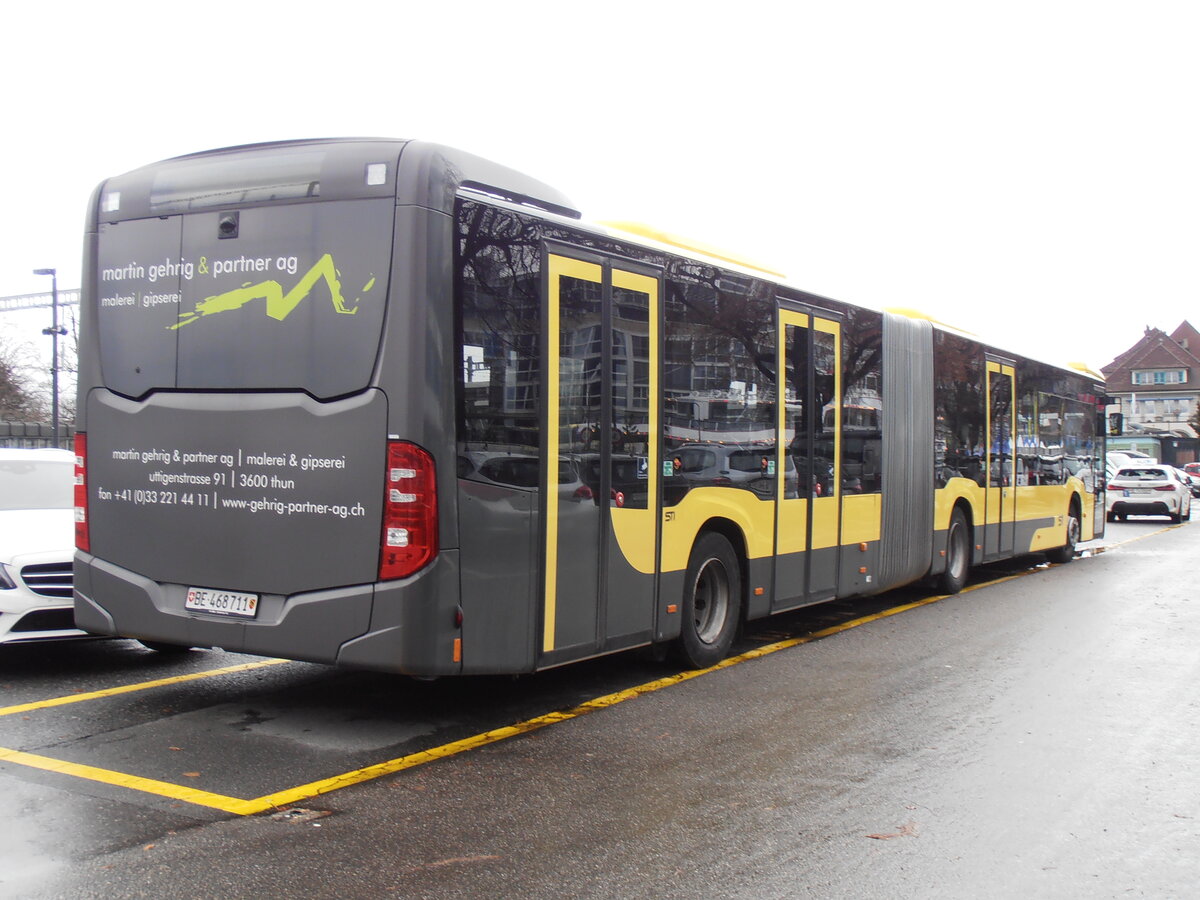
x=710, y=600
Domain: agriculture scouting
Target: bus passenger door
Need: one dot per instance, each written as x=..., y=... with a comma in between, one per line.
x=1000, y=533
x=600, y=485
x=809, y=459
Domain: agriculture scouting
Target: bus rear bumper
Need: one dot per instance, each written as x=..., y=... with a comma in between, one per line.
x=371, y=626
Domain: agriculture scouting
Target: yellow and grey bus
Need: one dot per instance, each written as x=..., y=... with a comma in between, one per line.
x=388, y=405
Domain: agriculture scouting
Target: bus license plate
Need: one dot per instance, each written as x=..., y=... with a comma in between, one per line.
x=223, y=603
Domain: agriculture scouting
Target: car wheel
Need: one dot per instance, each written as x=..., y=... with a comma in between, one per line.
x=958, y=555
x=712, y=600
x=1112, y=517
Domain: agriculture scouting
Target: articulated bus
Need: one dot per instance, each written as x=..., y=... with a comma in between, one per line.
x=387, y=405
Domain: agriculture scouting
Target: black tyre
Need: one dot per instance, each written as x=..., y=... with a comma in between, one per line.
x=1112, y=517
x=1066, y=552
x=958, y=555
x=165, y=649
x=712, y=601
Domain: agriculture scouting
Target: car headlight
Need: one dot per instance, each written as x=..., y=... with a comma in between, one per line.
x=6, y=580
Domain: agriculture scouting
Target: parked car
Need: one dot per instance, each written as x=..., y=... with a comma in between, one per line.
x=1116, y=459
x=1192, y=471
x=734, y=465
x=37, y=545
x=1145, y=490
x=520, y=470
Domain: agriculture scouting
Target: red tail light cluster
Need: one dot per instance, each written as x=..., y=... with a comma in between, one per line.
x=409, y=512
x=82, y=540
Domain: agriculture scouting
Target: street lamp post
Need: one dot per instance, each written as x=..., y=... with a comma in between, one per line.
x=54, y=331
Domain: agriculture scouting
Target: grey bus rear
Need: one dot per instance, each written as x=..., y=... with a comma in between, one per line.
x=266, y=402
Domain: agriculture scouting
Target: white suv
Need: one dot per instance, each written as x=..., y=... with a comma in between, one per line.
x=37, y=545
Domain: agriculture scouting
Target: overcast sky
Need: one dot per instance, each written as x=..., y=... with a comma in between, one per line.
x=1028, y=171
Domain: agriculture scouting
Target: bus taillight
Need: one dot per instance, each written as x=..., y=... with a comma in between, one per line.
x=409, y=512
x=82, y=541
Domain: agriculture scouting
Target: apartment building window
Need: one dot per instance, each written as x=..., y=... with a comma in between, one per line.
x=1160, y=376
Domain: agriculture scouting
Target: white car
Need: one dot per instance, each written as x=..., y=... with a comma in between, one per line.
x=1149, y=490
x=37, y=545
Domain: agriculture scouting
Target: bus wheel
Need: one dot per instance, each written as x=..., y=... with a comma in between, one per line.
x=711, y=603
x=1066, y=552
x=958, y=555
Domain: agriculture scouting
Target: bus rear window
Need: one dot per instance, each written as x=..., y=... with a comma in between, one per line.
x=294, y=301
x=192, y=184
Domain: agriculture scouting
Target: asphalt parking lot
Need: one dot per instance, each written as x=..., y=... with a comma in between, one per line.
x=106, y=747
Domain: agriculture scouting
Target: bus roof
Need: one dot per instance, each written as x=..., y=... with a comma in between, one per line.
x=418, y=173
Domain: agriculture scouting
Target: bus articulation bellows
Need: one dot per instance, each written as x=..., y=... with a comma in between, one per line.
x=384, y=404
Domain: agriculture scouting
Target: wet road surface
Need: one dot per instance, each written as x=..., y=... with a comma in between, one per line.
x=1031, y=737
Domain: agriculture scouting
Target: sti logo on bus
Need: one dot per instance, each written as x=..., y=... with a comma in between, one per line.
x=278, y=304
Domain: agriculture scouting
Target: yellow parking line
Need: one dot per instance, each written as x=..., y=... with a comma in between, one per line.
x=130, y=688
x=241, y=807
x=120, y=779
x=337, y=782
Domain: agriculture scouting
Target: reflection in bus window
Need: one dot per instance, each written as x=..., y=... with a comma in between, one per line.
x=796, y=404
x=630, y=460
x=719, y=382
x=958, y=409
x=1000, y=389
x=862, y=403
x=824, y=387
x=499, y=284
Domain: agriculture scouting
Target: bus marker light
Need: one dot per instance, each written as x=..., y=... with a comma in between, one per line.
x=863, y=547
x=672, y=607
x=862, y=570
x=758, y=592
x=458, y=649
x=376, y=173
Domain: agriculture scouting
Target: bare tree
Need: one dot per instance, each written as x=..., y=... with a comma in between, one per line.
x=21, y=392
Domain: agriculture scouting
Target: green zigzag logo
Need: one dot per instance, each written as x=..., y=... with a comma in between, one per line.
x=278, y=304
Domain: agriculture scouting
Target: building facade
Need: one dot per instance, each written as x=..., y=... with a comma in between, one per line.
x=1157, y=383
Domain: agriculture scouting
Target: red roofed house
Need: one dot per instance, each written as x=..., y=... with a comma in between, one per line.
x=1157, y=382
